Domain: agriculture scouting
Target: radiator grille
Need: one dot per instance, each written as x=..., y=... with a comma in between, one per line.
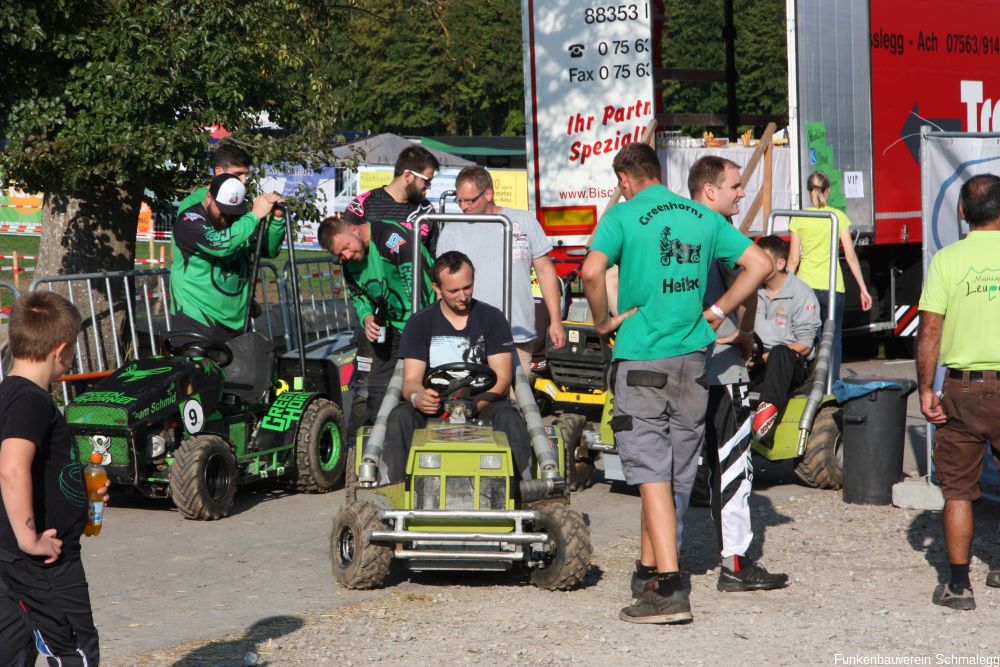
x=492, y=493
x=427, y=492
x=458, y=493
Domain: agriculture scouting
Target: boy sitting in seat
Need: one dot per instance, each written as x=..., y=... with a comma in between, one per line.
x=786, y=324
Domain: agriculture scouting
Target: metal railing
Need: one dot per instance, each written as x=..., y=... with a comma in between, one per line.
x=126, y=313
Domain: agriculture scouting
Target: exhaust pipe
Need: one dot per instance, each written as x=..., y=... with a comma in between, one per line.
x=372, y=453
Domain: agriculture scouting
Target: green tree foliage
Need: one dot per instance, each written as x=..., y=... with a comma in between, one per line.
x=431, y=67
x=693, y=39
x=105, y=98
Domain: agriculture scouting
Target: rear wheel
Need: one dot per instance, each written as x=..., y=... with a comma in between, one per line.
x=579, y=469
x=822, y=464
x=357, y=561
x=567, y=558
x=203, y=478
x=320, y=450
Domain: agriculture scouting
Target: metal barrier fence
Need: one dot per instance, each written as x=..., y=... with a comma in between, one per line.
x=125, y=313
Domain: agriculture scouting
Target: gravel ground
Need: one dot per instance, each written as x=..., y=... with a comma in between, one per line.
x=861, y=580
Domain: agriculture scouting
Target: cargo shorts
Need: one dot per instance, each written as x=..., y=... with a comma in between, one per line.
x=659, y=418
x=973, y=410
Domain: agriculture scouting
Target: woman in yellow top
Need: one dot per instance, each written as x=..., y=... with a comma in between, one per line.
x=809, y=257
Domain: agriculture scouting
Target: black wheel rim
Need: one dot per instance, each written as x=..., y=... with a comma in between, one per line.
x=217, y=480
x=345, y=545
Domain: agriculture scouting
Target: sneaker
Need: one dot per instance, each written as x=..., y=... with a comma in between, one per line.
x=763, y=420
x=749, y=577
x=666, y=604
x=946, y=597
x=640, y=580
x=993, y=579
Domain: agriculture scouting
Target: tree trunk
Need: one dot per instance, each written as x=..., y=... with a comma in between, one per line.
x=92, y=233
x=87, y=233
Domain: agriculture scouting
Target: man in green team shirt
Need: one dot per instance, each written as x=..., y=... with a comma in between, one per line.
x=213, y=244
x=378, y=267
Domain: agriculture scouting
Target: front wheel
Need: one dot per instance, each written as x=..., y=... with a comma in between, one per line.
x=357, y=561
x=320, y=450
x=567, y=558
x=203, y=478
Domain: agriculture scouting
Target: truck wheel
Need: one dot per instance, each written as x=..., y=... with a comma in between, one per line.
x=320, y=450
x=822, y=464
x=203, y=478
x=357, y=561
x=568, y=559
x=579, y=470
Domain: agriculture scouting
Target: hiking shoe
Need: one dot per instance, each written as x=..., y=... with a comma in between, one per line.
x=946, y=597
x=764, y=419
x=749, y=577
x=667, y=603
x=640, y=580
x=993, y=579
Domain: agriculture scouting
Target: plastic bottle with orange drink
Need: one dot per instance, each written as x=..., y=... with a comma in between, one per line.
x=96, y=477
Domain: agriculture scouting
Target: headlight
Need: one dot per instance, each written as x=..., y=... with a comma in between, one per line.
x=490, y=461
x=156, y=446
x=430, y=461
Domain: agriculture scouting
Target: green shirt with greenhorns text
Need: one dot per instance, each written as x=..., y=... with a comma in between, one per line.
x=664, y=245
x=963, y=285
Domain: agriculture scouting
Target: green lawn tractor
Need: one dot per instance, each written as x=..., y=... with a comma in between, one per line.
x=460, y=506
x=202, y=418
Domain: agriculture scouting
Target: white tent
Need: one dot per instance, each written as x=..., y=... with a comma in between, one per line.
x=383, y=149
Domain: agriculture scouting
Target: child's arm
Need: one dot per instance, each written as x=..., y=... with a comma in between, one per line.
x=16, y=455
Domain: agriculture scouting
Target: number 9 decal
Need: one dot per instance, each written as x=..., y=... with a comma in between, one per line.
x=194, y=417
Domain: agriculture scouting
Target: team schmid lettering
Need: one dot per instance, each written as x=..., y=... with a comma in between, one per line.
x=684, y=284
x=662, y=208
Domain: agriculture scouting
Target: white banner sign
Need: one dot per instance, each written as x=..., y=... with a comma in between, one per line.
x=588, y=92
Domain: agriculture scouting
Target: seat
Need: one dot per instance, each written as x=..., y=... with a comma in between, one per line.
x=250, y=374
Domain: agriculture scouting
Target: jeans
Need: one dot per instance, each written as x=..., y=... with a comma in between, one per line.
x=838, y=315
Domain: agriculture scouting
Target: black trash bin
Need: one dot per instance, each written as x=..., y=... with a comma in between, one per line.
x=874, y=431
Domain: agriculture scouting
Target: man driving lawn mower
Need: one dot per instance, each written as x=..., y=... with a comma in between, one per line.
x=456, y=329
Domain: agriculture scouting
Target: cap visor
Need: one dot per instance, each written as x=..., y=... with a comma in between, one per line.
x=229, y=209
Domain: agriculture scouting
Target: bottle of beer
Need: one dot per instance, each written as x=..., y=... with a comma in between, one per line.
x=95, y=476
x=379, y=314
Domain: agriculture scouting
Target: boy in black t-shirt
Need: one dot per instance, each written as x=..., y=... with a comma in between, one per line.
x=44, y=599
x=456, y=328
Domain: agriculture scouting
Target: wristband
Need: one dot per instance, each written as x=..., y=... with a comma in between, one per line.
x=413, y=400
x=746, y=333
x=715, y=308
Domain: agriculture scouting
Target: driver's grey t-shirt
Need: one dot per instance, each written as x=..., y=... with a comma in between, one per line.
x=430, y=337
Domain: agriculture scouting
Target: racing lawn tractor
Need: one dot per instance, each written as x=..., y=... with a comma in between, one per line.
x=809, y=427
x=205, y=417
x=460, y=506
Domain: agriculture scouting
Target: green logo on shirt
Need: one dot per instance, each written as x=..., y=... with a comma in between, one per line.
x=985, y=283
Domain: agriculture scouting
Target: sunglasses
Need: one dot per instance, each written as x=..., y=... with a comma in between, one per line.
x=470, y=202
x=421, y=176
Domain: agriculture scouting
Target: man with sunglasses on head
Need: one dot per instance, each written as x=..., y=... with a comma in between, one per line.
x=404, y=199
x=530, y=249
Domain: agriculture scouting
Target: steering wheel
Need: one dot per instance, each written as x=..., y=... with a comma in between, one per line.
x=191, y=340
x=447, y=379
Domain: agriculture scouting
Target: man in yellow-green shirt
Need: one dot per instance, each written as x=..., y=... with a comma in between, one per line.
x=959, y=320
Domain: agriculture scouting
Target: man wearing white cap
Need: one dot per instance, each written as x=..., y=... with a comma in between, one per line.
x=212, y=249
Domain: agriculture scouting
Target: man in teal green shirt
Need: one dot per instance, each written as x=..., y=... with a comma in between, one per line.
x=663, y=245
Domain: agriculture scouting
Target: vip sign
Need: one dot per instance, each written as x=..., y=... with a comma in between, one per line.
x=588, y=92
